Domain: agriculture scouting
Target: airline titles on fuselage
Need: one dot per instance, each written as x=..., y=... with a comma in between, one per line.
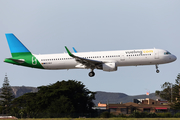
x=139, y=52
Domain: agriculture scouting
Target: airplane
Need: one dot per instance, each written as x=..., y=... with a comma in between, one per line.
x=102, y=60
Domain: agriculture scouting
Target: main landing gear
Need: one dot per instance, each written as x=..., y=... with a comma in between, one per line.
x=91, y=74
x=157, y=69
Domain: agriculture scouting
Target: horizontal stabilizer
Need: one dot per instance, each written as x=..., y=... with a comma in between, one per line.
x=17, y=60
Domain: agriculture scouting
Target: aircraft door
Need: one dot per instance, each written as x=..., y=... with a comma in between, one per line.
x=122, y=57
x=156, y=54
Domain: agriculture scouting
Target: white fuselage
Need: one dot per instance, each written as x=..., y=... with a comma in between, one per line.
x=120, y=58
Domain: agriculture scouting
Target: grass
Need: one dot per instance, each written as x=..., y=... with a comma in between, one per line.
x=103, y=119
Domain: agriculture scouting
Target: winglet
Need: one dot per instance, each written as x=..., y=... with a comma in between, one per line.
x=70, y=54
x=74, y=50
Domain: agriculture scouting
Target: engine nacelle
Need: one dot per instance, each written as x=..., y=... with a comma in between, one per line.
x=109, y=67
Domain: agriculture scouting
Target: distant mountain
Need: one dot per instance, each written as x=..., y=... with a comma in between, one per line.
x=21, y=90
x=108, y=97
x=103, y=97
x=18, y=91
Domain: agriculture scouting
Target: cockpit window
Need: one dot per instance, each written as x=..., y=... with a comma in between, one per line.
x=167, y=53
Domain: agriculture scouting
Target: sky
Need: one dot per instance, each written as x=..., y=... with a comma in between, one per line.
x=45, y=27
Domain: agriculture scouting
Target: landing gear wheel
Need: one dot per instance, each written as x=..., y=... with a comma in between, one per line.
x=157, y=71
x=91, y=74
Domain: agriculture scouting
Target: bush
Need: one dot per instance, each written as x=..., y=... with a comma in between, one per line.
x=106, y=114
x=122, y=115
x=139, y=114
x=177, y=115
x=143, y=115
x=152, y=115
x=164, y=115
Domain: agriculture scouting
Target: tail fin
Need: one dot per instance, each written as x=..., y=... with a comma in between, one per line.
x=15, y=46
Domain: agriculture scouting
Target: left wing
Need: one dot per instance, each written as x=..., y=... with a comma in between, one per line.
x=89, y=63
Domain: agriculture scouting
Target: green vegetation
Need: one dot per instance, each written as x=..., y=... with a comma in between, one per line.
x=62, y=99
x=6, y=97
x=140, y=115
x=71, y=100
x=106, y=114
x=171, y=93
x=104, y=119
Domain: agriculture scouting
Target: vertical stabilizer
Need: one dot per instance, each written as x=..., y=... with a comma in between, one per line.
x=15, y=46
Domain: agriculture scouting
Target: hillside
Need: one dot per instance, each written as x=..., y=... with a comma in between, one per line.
x=107, y=97
x=21, y=90
x=103, y=97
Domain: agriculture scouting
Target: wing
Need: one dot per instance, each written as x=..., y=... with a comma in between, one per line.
x=89, y=63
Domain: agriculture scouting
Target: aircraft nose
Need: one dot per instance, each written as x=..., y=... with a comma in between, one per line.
x=173, y=57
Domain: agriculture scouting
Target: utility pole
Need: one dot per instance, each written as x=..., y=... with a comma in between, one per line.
x=171, y=92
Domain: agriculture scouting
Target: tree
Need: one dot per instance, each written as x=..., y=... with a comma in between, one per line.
x=171, y=93
x=56, y=100
x=6, y=96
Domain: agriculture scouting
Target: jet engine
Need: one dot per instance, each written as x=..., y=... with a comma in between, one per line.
x=109, y=67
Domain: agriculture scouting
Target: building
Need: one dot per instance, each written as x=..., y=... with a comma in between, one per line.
x=101, y=106
x=143, y=105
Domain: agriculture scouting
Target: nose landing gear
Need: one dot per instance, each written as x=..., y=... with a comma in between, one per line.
x=157, y=69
